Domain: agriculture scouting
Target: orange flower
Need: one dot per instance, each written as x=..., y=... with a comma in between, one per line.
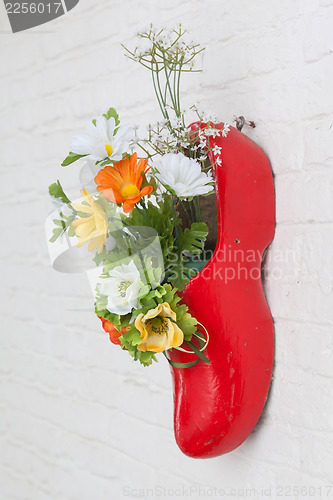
x=112, y=331
x=121, y=182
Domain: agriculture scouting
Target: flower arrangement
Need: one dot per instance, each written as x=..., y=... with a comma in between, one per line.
x=130, y=216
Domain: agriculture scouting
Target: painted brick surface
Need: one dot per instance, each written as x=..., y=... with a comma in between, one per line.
x=78, y=419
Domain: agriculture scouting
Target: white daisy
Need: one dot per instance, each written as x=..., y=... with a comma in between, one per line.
x=122, y=288
x=183, y=175
x=103, y=140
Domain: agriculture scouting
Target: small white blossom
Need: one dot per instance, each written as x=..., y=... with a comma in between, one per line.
x=203, y=141
x=216, y=150
x=208, y=131
x=162, y=123
x=215, y=132
x=225, y=130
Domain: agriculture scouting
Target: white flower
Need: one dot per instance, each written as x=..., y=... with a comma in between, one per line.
x=215, y=132
x=225, y=130
x=176, y=122
x=122, y=288
x=216, y=150
x=183, y=175
x=103, y=140
x=208, y=116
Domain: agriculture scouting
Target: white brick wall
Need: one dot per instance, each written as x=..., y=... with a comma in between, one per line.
x=79, y=420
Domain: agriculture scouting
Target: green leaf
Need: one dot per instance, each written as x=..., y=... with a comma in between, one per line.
x=59, y=223
x=160, y=218
x=115, y=319
x=71, y=158
x=57, y=191
x=108, y=206
x=170, y=296
x=177, y=274
x=112, y=113
x=147, y=304
x=104, y=162
x=146, y=358
x=99, y=257
x=176, y=364
x=65, y=223
x=187, y=324
x=193, y=239
x=71, y=231
x=132, y=336
x=56, y=233
x=130, y=340
x=198, y=353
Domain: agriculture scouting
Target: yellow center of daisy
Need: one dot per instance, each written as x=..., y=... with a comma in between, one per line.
x=129, y=190
x=108, y=149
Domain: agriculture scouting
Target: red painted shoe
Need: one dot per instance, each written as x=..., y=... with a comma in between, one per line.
x=218, y=404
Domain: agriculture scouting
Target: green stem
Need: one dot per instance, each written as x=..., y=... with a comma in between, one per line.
x=168, y=86
x=144, y=149
x=174, y=201
x=174, y=84
x=191, y=205
x=165, y=93
x=143, y=215
x=178, y=83
x=158, y=96
x=128, y=245
x=197, y=208
x=165, y=114
x=186, y=211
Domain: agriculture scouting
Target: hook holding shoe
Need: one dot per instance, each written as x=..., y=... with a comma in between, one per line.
x=240, y=122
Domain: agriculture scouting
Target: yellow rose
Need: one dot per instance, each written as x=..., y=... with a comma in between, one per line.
x=158, y=332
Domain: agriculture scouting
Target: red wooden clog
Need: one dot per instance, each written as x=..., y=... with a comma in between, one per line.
x=218, y=404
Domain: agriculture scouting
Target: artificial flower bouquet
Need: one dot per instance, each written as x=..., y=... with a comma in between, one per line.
x=140, y=213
